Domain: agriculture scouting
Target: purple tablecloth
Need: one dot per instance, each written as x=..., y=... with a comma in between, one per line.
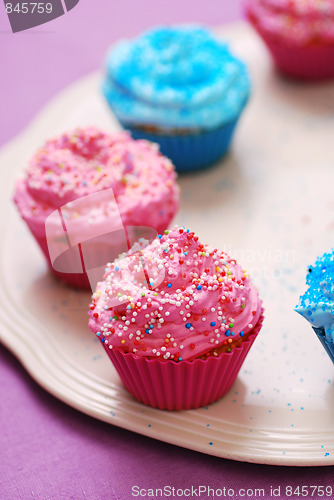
x=49, y=450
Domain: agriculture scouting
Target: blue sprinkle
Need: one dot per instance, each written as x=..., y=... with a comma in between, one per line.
x=151, y=326
x=242, y=334
x=149, y=425
x=116, y=268
x=180, y=359
x=147, y=331
x=185, y=253
x=210, y=443
x=199, y=287
x=103, y=339
x=213, y=323
x=326, y=454
x=232, y=333
x=159, y=236
x=169, y=285
x=98, y=333
x=188, y=230
x=227, y=333
x=188, y=325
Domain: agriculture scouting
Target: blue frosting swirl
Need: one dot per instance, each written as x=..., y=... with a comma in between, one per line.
x=175, y=77
x=317, y=303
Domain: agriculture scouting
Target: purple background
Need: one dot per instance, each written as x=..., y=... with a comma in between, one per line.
x=49, y=450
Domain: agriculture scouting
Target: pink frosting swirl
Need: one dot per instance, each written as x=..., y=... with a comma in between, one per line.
x=88, y=160
x=299, y=22
x=174, y=299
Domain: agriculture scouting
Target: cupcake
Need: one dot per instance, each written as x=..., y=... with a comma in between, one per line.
x=180, y=87
x=177, y=320
x=298, y=33
x=317, y=303
x=87, y=196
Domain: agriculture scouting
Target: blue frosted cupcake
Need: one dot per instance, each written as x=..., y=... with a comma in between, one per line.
x=180, y=87
x=317, y=303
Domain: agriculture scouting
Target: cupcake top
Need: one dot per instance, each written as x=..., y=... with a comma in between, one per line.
x=177, y=77
x=87, y=160
x=174, y=299
x=298, y=22
x=317, y=303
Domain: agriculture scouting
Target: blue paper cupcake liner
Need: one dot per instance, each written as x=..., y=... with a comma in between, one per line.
x=328, y=346
x=191, y=151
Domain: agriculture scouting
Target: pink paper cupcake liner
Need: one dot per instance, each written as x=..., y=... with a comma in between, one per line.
x=79, y=280
x=69, y=261
x=181, y=385
x=311, y=63
x=94, y=262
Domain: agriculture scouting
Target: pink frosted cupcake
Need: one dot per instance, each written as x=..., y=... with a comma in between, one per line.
x=298, y=33
x=177, y=320
x=88, y=195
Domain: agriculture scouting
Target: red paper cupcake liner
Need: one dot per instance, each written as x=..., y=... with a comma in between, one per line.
x=171, y=385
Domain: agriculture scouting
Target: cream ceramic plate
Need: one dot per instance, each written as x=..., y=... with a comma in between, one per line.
x=270, y=204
